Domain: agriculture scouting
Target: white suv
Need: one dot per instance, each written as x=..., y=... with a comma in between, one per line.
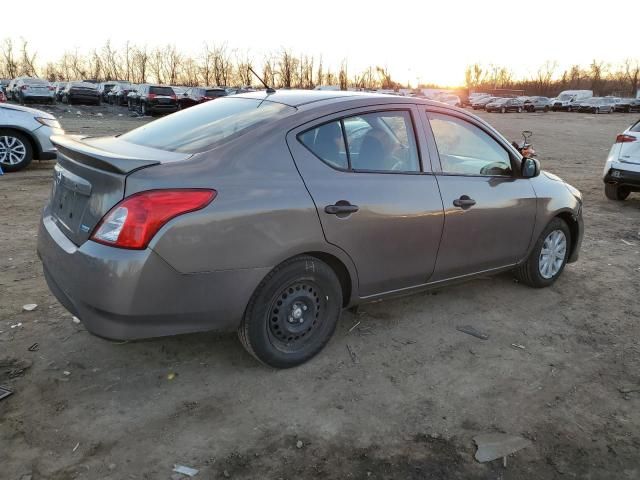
x=622, y=170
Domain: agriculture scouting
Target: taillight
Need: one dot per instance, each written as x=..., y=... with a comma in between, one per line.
x=622, y=138
x=134, y=221
x=174, y=97
x=151, y=96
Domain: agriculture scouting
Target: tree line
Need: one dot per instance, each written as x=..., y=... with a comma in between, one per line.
x=216, y=64
x=603, y=78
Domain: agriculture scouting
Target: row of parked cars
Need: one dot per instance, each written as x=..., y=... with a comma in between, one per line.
x=146, y=98
x=570, y=100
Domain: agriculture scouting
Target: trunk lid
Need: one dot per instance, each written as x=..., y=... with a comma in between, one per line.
x=90, y=178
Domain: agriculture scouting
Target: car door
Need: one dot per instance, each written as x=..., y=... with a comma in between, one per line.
x=489, y=210
x=374, y=192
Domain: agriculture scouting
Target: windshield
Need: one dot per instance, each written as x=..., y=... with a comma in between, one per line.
x=168, y=91
x=565, y=96
x=207, y=125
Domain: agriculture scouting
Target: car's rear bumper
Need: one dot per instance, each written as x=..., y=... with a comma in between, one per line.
x=75, y=97
x=623, y=175
x=128, y=294
x=158, y=107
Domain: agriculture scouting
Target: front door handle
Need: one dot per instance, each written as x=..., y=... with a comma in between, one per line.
x=464, y=202
x=341, y=208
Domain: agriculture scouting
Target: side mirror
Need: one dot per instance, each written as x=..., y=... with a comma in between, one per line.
x=530, y=168
x=527, y=134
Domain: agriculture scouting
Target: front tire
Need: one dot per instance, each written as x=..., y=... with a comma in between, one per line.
x=615, y=192
x=548, y=257
x=293, y=313
x=16, y=151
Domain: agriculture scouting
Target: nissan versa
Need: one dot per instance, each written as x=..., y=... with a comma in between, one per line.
x=270, y=213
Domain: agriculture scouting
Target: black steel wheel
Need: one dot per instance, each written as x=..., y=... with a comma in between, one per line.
x=293, y=313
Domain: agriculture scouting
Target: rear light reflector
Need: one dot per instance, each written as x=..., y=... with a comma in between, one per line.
x=622, y=138
x=134, y=221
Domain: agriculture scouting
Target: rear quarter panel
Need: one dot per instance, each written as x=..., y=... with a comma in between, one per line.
x=261, y=216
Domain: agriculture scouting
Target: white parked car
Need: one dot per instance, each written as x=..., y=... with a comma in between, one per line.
x=24, y=135
x=622, y=170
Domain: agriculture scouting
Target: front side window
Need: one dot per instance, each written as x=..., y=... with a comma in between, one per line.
x=381, y=142
x=465, y=149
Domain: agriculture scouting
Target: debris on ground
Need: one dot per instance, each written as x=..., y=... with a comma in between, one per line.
x=29, y=307
x=226, y=474
x=75, y=319
x=76, y=447
x=66, y=373
x=34, y=347
x=492, y=446
x=171, y=375
x=15, y=367
x=16, y=325
x=354, y=326
x=470, y=330
x=185, y=470
x=517, y=345
x=4, y=392
x=299, y=444
x=352, y=354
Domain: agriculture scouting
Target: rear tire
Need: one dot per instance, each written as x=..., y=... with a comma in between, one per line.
x=16, y=151
x=616, y=192
x=293, y=313
x=531, y=272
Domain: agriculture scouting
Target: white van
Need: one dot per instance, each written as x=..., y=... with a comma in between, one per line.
x=571, y=99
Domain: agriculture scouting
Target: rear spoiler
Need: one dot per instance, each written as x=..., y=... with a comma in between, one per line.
x=111, y=154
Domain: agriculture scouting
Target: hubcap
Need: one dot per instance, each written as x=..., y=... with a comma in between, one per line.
x=12, y=150
x=295, y=314
x=554, y=250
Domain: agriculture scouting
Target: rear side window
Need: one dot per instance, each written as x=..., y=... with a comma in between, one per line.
x=168, y=91
x=207, y=125
x=380, y=142
x=215, y=93
x=635, y=128
x=327, y=142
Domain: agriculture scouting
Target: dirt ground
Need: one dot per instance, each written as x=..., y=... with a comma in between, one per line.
x=406, y=408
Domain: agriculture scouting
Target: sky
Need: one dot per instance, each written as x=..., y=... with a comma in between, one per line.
x=427, y=42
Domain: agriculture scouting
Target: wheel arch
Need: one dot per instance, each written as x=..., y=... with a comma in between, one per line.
x=574, y=229
x=341, y=271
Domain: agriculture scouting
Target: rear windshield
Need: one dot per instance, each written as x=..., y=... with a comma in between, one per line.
x=215, y=93
x=161, y=91
x=35, y=81
x=207, y=125
x=90, y=86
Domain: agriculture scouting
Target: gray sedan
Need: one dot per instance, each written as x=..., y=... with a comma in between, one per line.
x=24, y=135
x=271, y=213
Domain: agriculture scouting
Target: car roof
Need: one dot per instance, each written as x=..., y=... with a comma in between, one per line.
x=296, y=98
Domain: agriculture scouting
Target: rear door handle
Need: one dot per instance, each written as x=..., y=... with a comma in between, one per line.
x=464, y=202
x=341, y=208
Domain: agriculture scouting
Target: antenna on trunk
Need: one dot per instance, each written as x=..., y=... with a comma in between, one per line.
x=269, y=89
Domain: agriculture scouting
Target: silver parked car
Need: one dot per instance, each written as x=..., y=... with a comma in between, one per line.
x=271, y=212
x=537, y=104
x=24, y=135
x=33, y=90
